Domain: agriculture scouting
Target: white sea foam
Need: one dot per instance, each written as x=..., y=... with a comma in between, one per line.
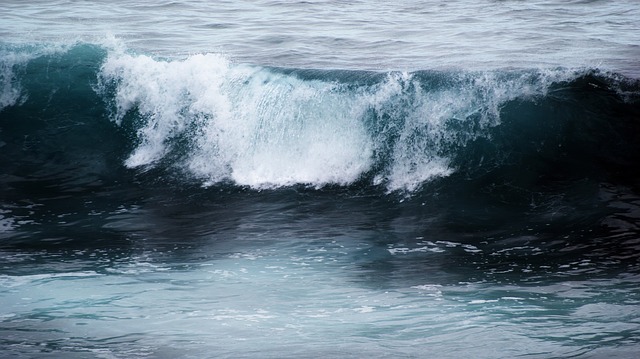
x=262, y=128
x=244, y=124
x=279, y=130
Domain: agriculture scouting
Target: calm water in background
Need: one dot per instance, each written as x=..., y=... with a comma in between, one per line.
x=262, y=179
x=402, y=35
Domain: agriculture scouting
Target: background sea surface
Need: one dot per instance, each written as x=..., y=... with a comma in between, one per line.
x=341, y=179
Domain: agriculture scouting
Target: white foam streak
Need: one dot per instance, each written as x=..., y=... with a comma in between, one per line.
x=166, y=94
x=439, y=121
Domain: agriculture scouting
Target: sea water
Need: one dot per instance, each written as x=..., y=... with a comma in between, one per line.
x=269, y=179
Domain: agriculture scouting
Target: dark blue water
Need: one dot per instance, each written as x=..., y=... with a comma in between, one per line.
x=183, y=204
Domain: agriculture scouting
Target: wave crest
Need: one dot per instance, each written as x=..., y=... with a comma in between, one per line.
x=222, y=122
x=268, y=128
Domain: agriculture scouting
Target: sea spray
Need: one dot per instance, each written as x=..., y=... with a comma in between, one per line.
x=214, y=121
x=267, y=128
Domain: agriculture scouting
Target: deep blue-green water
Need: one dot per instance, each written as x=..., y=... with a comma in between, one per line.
x=320, y=179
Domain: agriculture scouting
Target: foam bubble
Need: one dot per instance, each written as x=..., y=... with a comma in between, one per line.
x=167, y=94
x=432, y=123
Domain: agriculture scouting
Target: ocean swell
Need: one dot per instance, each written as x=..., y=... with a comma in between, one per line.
x=218, y=122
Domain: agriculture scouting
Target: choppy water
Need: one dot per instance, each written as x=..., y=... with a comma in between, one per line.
x=319, y=179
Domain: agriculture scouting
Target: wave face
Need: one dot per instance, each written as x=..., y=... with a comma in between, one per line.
x=81, y=111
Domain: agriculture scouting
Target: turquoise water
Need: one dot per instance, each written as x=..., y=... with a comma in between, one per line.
x=269, y=179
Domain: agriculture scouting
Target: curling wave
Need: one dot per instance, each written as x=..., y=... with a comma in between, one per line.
x=219, y=122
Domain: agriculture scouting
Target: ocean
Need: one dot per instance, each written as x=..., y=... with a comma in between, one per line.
x=319, y=179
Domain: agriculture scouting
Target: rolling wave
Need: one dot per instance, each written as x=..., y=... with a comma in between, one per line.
x=84, y=113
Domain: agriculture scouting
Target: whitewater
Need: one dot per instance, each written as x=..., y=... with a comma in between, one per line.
x=303, y=179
